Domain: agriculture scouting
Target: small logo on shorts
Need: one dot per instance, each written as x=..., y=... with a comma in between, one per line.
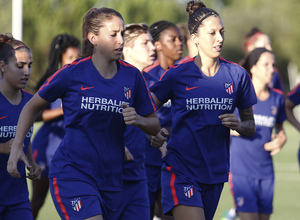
x=240, y=201
x=188, y=191
x=76, y=204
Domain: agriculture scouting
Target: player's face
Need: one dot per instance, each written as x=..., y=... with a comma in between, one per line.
x=264, y=68
x=262, y=41
x=210, y=37
x=142, y=53
x=170, y=44
x=110, y=40
x=18, y=70
x=69, y=55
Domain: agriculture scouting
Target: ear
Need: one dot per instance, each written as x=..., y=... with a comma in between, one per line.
x=195, y=39
x=126, y=52
x=157, y=45
x=92, y=38
x=2, y=66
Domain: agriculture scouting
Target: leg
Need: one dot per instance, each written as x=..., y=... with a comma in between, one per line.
x=39, y=193
x=248, y=216
x=182, y=212
x=264, y=216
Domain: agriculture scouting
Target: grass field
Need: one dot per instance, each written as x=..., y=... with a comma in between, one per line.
x=287, y=185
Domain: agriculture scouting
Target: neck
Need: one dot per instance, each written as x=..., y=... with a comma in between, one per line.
x=165, y=62
x=13, y=95
x=208, y=66
x=261, y=89
x=106, y=68
x=129, y=60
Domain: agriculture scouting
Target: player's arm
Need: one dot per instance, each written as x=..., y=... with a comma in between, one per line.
x=277, y=142
x=5, y=147
x=35, y=170
x=245, y=127
x=26, y=119
x=289, y=105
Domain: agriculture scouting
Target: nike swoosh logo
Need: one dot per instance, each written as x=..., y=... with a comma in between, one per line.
x=4, y=117
x=85, y=88
x=190, y=88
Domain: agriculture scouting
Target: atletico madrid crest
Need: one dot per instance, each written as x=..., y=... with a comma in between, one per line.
x=127, y=92
x=76, y=204
x=188, y=191
x=229, y=87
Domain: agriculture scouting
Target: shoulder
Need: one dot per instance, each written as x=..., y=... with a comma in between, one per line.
x=232, y=66
x=27, y=95
x=151, y=68
x=277, y=93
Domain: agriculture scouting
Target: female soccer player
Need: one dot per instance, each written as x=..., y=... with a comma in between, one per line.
x=134, y=201
x=168, y=44
x=64, y=49
x=15, y=68
x=251, y=163
x=100, y=96
x=256, y=38
x=292, y=100
x=204, y=92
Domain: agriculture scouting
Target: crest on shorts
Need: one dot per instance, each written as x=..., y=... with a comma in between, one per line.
x=228, y=87
x=127, y=92
x=240, y=201
x=188, y=191
x=76, y=204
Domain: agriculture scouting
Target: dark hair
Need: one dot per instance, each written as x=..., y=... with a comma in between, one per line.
x=158, y=27
x=251, y=59
x=198, y=12
x=251, y=37
x=184, y=33
x=8, y=46
x=92, y=22
x=58, y=46
x=133, y=30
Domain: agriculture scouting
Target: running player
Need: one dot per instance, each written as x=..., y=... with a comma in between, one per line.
x=64, y=49
x=167, y=40
x=256, y=38
x=15, y=68
x=134, y=200
x=292, y=100
x=100, y=96
x=251, y=163
x=204, y=92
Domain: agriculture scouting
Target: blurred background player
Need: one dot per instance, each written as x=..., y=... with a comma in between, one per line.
x=292, y=100
x=64, y=49
x=251, y=164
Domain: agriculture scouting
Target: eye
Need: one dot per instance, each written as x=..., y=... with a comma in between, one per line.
x=20, y=65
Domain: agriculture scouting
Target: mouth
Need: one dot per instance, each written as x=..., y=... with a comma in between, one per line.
x=119, y=50
x=218, y=48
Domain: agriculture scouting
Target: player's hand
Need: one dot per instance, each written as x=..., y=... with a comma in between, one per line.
x=128, y=155
x=276, y=144
x=230, y=121
x=35, y=171
x=16, y=154
x=159, y=139
x=163, y=150
x=129, y=114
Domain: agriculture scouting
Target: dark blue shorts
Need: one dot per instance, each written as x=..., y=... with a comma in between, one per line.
x=251, y=194
x=75, y=199
x=154, y=185
x=134, y=202
x=178, y=189
x=16, y=211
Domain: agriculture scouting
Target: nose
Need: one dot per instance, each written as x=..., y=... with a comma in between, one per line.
x=220, y=37
x=178, y=42
x=121, y=39
x=27, y=70
x=151, y=47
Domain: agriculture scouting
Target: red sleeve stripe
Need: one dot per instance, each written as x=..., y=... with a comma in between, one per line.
x=58, y=199
x=153, y=105
x=294, y=90
x=155, y=64
x=58, y=71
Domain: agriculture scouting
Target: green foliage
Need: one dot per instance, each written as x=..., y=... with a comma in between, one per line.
x=45, y=19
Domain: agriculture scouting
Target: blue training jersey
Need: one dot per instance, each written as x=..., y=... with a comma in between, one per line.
x=152, y=74
x=93, y=146
x=199, y=144
x=247, y=155
x=13, y=190
x=294, y=95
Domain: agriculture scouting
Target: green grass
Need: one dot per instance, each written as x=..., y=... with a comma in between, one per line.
x=287, y=185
